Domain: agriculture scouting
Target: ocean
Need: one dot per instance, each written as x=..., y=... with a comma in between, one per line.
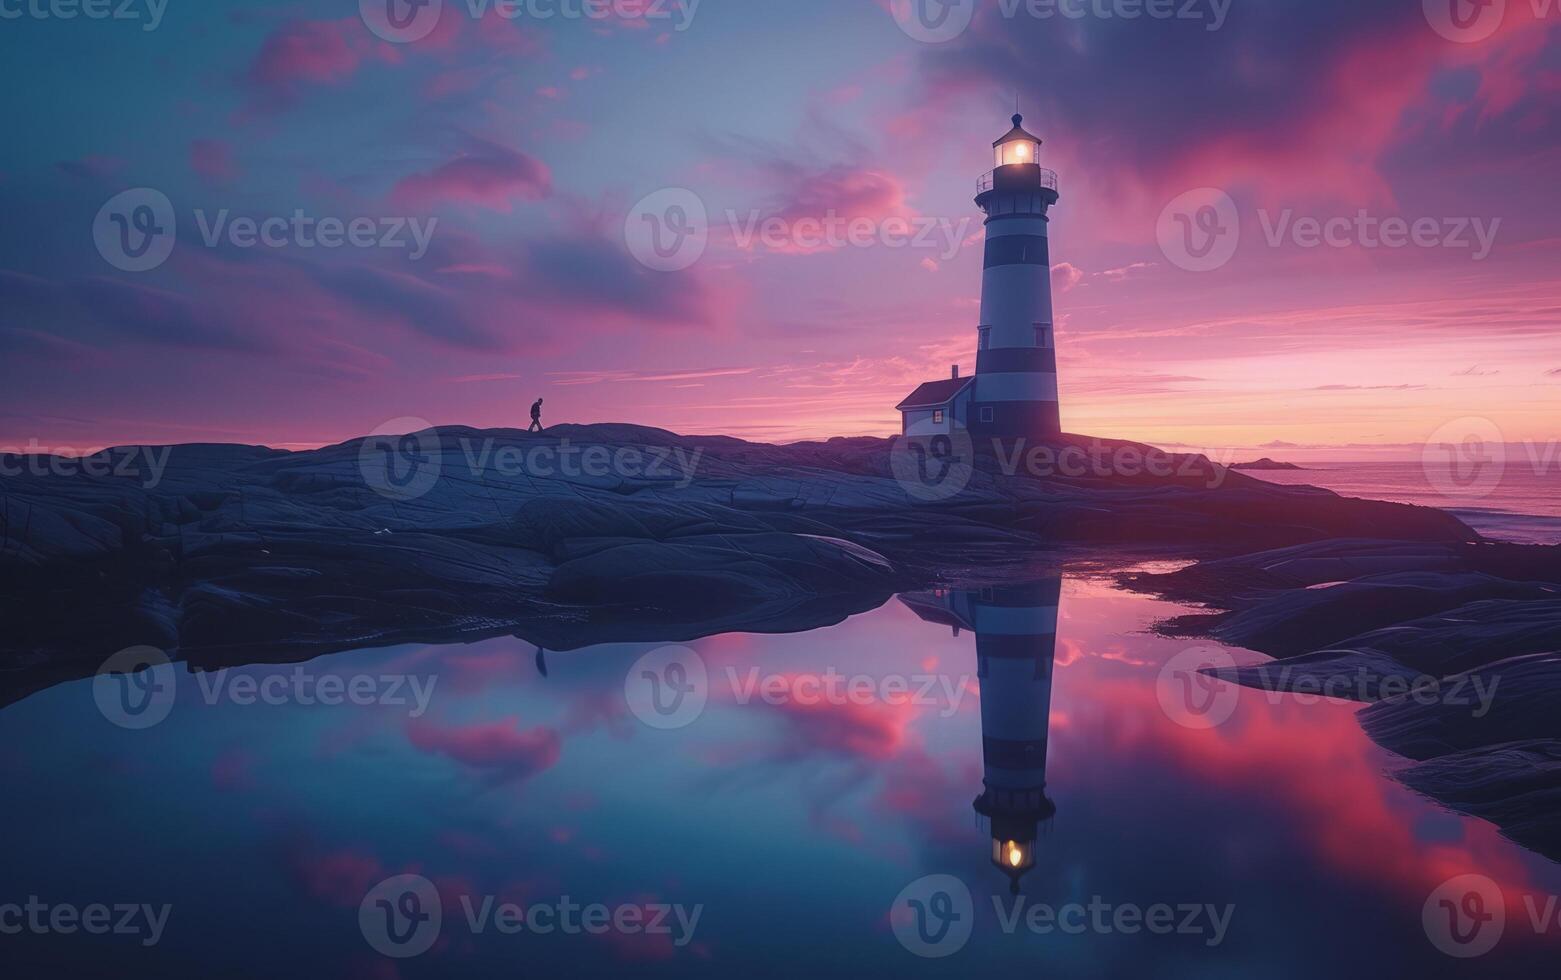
x=1524, y=505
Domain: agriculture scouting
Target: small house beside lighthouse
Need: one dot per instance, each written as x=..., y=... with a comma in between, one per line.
x=1013, y=393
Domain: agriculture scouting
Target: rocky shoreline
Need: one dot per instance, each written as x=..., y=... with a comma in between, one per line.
x=241, y=554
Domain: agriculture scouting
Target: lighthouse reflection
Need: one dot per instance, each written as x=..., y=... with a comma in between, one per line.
x=1016, y=644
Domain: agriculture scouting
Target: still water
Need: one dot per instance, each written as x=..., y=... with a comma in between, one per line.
x=759, y=806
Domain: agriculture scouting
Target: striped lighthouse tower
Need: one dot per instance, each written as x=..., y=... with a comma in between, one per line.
x=1016, y=645
x=1016, y=361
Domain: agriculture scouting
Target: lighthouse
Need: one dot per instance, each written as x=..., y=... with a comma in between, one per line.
x=1016, y=646
x=1013, y=393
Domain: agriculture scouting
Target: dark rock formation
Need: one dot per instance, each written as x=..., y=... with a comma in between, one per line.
x=1265, y=464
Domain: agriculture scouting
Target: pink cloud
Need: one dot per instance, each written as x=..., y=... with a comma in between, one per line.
x=500, y=749
x=1065, y=275
x=318, y=52
x=494, y=178
x=213, y=161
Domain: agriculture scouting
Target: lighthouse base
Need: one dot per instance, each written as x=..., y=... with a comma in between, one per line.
x=1015, y=420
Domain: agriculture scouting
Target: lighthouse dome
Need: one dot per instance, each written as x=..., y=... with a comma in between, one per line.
x=1017, y=145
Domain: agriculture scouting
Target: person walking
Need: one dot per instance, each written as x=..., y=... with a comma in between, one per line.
x=536, y=416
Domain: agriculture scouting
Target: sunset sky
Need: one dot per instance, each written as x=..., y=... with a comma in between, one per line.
x=530, y=140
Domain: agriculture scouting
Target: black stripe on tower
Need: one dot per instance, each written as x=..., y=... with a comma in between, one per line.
x=1020, y=646
x=1017, y=250
x=1005, y=753
x=1040, y=594
x=1017, y=419
x=1006, y=360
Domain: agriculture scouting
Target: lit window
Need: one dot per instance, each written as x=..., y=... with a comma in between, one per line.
x=937, y=416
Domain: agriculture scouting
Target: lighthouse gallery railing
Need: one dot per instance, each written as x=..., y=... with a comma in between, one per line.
x=1048, y=180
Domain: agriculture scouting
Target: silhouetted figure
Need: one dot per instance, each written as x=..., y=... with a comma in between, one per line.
x=536, y=416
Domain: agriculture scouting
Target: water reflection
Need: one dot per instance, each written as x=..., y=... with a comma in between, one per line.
x=1016, y=652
